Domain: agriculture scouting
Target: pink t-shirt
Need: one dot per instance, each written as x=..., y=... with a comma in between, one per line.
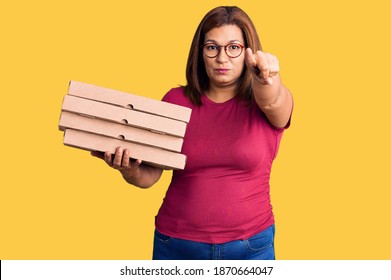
x=223, y=193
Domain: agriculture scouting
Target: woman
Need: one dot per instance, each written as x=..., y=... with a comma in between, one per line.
x=218, y=207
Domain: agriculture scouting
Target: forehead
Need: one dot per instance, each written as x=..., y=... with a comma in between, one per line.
x=225, y=34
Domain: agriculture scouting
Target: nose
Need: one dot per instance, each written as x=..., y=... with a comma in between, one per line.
x=222, y=56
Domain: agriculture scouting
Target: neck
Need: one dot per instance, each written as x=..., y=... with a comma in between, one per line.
x=221, y=94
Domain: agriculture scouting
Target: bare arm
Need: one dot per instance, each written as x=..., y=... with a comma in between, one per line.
x=134, y=172
x=274, y=99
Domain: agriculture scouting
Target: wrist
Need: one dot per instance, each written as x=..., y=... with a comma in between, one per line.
x=267, y=95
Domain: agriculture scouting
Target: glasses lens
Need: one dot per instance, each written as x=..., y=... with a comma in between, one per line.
x=211, y=50
x=234, y=50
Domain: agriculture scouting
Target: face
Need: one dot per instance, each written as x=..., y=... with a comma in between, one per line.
x=223, y=70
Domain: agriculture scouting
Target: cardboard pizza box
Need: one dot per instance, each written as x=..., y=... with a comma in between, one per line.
x=130, y=101
x=123, y=115
x=119, y=131
x=150, y=155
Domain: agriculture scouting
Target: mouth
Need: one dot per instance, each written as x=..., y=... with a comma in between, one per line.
x=222, y=70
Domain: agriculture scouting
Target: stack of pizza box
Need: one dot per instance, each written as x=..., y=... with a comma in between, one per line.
x=99, y=119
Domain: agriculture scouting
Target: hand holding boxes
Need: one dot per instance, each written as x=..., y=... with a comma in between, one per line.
x=100, y=119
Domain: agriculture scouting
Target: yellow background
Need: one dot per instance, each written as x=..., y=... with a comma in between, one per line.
x=330, y=182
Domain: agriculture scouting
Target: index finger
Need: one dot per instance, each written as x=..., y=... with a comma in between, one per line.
x=251, y=62
x=262, y=64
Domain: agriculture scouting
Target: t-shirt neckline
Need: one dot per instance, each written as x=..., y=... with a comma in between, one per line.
x=207, y=100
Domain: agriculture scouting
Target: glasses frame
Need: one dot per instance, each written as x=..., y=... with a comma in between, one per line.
x=225, y=49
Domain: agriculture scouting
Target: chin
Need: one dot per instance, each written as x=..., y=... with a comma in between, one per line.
x=224, y=81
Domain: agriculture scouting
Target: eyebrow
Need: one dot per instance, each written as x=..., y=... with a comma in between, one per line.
x=215, y=42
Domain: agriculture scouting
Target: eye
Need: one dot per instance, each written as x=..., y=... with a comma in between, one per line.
x=234, y=47
x=212, y=47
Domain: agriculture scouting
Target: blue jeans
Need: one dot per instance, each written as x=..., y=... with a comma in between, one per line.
x=257, y=247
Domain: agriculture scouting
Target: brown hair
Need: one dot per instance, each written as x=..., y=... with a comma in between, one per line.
x=197, y=78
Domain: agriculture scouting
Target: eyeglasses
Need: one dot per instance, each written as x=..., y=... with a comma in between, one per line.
x=212, y=50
